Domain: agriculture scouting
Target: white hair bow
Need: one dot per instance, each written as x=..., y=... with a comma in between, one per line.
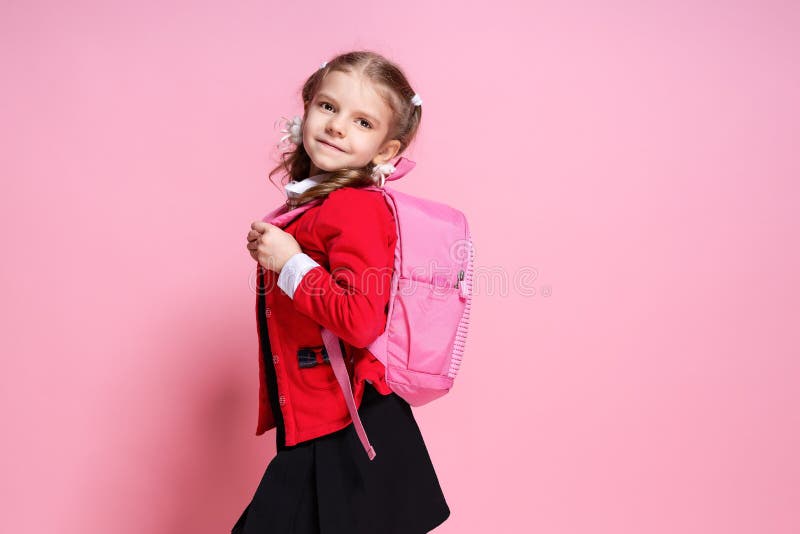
x=293, y=128
x=380, y=171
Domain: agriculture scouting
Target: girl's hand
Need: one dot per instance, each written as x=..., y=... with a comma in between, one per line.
x=270, y=246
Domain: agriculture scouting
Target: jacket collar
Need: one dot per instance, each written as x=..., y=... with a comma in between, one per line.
x=296, y=187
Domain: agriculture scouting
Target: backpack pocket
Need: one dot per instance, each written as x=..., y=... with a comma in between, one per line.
x=424, y=325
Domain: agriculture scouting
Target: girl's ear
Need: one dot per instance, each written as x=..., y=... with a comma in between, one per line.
x=387, y=152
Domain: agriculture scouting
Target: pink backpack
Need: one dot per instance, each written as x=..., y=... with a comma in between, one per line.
x=429, y=304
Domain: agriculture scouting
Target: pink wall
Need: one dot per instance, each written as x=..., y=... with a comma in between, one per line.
x=639, y=158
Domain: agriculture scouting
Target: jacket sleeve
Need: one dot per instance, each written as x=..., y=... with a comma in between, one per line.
x=359, y=236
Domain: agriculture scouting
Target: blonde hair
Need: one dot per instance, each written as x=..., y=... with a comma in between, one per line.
x=392, y=84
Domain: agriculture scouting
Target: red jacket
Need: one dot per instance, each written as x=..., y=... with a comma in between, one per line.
x=352, y=235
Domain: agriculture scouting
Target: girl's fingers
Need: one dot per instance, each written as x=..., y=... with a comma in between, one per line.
x=260, y=226
x=252, y=235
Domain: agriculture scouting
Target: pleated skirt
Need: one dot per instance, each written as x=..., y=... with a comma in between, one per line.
x=328, y=485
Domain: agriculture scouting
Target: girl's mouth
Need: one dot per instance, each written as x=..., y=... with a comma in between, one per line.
x=330, y=146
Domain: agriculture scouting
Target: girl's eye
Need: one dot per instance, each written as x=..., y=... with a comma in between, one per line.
x=364, y=122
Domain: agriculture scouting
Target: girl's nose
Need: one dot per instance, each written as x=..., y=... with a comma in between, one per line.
x=334, y=127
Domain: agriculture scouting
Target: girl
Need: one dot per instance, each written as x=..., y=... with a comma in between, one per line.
x=332, y=266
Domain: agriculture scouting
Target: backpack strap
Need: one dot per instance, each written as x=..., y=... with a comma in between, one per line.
x=282, y=215
x=402, y=167
x=340, y=370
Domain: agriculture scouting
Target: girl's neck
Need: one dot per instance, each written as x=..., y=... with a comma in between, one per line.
x=314, y=170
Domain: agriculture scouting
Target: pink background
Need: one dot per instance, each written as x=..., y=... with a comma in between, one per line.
x=633, y=165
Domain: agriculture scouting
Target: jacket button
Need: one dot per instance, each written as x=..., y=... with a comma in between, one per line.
x=281, y=400
x=274, y=358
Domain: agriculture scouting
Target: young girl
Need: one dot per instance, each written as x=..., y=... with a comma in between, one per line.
x=332, y=267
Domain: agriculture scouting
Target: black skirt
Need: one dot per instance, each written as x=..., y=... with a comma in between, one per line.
x=328, y=485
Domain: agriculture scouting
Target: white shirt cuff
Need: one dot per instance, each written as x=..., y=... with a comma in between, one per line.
x=293, y=271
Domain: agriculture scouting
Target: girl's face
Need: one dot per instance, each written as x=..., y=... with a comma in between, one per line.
x=345, y=125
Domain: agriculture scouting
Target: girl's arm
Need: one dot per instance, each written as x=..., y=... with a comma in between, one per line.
x=358, y=233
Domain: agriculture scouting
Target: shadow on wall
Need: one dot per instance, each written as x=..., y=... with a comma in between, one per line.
x=183, y=456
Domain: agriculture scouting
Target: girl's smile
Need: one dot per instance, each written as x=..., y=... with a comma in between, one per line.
x=330, y=145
